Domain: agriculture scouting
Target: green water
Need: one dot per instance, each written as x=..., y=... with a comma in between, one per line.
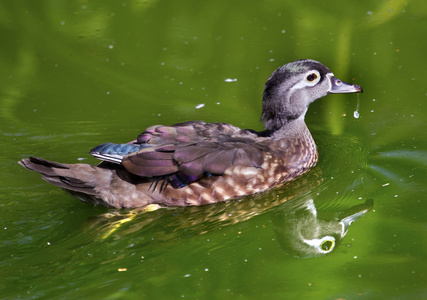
x=75, y=74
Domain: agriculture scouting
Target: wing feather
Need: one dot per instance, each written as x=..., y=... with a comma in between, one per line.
x=191, y=150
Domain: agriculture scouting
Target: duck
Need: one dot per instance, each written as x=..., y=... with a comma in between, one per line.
x=197, y=163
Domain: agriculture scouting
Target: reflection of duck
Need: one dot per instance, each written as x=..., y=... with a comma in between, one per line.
x=303, y=233
x=197, y=163
x=197, y=220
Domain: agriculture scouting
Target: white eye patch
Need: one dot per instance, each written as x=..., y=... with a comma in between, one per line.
x=310, y=78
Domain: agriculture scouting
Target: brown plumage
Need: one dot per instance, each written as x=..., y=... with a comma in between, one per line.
x=196, y=163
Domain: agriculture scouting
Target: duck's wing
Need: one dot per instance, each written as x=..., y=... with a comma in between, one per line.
x=188, y=132
x=152, y=138
x=193, y=158
x=185, y=152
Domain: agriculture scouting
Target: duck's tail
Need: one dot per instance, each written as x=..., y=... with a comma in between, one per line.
x=77, y=179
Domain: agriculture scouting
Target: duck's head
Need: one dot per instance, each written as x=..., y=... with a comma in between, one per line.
x=292, y=87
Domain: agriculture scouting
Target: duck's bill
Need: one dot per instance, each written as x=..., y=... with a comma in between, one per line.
x=340, y=87
x=354, y=213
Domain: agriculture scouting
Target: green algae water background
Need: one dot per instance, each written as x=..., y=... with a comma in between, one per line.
x=75, y=74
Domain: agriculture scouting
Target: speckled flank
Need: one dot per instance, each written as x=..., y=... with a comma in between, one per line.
x=301, y=155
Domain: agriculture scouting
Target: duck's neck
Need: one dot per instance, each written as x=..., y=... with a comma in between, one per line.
x=296, y=141
x=291, y=128
x=276, y=121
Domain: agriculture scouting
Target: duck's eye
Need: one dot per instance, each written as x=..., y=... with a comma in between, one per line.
x=312, y=77
x=327, y=245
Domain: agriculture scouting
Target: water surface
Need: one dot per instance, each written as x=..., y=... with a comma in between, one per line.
x=77, y=74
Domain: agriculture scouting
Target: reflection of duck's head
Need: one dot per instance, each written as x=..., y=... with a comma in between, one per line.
x=302, y=233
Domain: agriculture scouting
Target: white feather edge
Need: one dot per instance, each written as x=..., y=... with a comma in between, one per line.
x=117, y=159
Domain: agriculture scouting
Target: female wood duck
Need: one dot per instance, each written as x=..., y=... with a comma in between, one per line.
x=196, y=163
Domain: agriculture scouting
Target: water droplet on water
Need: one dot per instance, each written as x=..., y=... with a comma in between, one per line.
x=356, y=112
